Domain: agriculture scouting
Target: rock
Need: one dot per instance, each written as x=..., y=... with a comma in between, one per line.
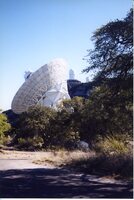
x=81, y=145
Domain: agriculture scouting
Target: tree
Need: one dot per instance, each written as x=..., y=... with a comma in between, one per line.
x=34, y=126
x=45, y=127
x=112, y=55
x=106, y=115
x=66, y=125
x=109, y=109
x=4, y=127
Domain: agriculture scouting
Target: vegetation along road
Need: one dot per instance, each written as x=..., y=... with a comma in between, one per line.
x=21, y=178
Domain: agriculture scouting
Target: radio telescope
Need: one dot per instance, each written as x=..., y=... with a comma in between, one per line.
x=47, y=87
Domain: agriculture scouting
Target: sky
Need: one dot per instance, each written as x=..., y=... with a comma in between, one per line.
x=34, y=32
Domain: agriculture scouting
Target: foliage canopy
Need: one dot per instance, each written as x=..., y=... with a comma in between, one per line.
x=112, y=55
x=4, y=127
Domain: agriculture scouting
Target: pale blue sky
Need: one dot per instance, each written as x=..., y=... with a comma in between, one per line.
x=33, y=32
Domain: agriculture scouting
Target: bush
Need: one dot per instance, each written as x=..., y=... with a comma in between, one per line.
x=4, y=128
x=53, y=128
x=116, y=144
x=33, y=127
x=30, y=143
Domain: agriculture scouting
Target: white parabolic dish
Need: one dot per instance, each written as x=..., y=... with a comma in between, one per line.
x=47, y=86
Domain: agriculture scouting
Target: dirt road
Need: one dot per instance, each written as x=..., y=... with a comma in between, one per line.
x=20, y=178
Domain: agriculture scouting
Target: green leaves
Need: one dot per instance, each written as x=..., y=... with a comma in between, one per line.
x=109, y=109
x=112, y=55
x=4, y=127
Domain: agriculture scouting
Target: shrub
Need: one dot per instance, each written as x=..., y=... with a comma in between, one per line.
x=33, y=127
x=4, y=128
x=30, y=143
x=116, y=144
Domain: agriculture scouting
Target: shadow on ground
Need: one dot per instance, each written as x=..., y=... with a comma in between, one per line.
x=57, y=183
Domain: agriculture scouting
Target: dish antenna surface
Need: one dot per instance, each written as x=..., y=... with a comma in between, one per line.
x=47, y=87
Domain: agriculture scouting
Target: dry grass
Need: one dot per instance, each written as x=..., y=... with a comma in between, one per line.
x=62, y=157
x=120, y=165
